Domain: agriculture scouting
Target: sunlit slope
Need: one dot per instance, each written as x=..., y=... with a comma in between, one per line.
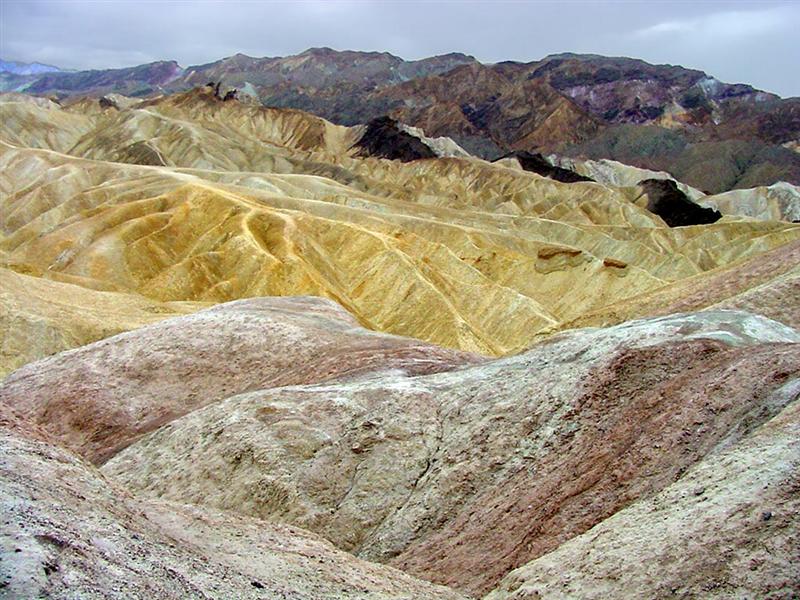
x=767, y=283
x=190, y=198
x=39, y=317
x=193, y=130
x=39, y=123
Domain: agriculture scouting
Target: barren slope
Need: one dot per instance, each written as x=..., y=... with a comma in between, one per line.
x=219, y=434
x=457, y=477
x=728, y=528
x=69, y=532
x=456, y=251
x=39, y=317
x=98, y=398
x=766, y=284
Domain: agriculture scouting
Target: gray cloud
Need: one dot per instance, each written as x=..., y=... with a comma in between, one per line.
x=751, y=42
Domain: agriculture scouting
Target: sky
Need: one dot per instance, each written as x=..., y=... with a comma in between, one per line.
x=737, y=42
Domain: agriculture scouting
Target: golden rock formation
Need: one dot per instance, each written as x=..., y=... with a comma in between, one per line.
x=40, y=316
x=187, y=198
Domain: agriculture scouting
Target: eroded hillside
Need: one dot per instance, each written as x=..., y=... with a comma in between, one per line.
x=188, y=198
x=245, y=357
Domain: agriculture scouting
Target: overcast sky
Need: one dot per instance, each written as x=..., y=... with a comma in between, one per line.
x=749, y=42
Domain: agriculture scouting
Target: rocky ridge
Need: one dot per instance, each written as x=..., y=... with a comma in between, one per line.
x=711, y=135
x=494, y=464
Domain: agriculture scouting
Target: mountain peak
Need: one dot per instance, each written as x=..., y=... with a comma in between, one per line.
x=23, y=68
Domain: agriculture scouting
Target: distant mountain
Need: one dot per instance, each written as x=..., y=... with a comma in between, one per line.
x=339, y=86
x=21, y=68
x=712, y=135
x=318, y=68
x=142, y=80
x=16, y=76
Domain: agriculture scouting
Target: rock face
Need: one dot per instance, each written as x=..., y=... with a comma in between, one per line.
x=777, y=202
x=671, y=204
x=493, y=465
x=723, y=530
x=441, y=146
x=537, y=474
x=69, y=532
x=383, y=138
x=611, y=172
x=179, y=365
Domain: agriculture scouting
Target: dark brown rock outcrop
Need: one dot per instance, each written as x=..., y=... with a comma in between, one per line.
x=384, y=139
x=536, y=163
x=665, y=199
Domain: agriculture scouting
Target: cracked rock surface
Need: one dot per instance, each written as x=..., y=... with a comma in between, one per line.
x=489, y=477
x=461, y=476
x=70, y=533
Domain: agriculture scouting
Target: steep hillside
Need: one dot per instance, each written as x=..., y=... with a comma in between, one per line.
x=742, y=499
x=494, y=279
x=711, y=166
x=495, y=254
x=777, y=202
x=766, y=283
x=207, y=391
x=70, y=532
x=197, y=360
x=457, y=477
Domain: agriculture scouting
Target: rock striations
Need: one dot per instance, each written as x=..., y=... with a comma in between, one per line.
x=249, y=353
x=456, y=477
x=255, y=201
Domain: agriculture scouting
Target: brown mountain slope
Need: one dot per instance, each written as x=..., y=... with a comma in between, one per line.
x=722, y=530
x=477, y=101
x=557, y=102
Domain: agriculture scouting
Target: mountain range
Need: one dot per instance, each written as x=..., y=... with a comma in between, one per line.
x=711, y=135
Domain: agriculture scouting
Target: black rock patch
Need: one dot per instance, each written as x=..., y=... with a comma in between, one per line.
x=666, y=200
x=536, y=163
x=384, y=139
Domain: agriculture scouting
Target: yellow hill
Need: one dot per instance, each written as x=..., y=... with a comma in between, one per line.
x=189, y=198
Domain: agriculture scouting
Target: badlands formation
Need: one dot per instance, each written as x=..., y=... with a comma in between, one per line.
x=713, y=135
x=249, y=353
